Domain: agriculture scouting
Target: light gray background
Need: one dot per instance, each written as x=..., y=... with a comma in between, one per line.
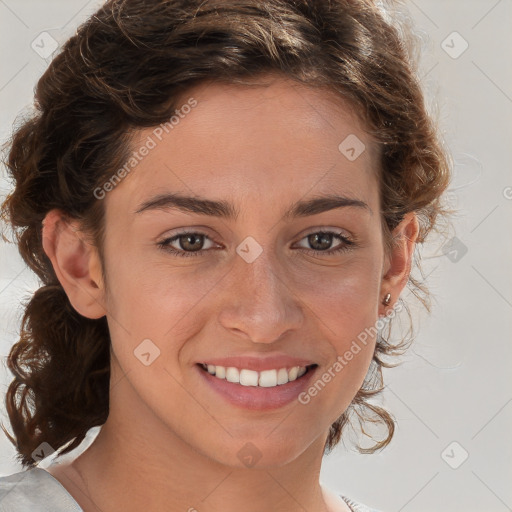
x=455, y=383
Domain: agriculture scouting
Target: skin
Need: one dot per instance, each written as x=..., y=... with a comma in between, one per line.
x=170, y=443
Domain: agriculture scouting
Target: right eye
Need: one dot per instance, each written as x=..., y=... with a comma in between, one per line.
x=191, y=244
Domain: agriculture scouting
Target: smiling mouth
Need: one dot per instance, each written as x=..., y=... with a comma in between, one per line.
x=266, y=378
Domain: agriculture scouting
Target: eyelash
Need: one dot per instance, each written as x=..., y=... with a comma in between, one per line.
x=345, y=246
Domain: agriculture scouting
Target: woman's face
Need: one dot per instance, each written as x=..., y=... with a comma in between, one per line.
x=249, y=284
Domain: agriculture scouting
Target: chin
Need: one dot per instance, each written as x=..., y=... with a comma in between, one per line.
x=264, y=451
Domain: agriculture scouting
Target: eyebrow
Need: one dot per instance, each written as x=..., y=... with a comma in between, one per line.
x=226, y=210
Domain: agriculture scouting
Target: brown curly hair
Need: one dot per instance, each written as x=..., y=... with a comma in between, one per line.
x=124, y=69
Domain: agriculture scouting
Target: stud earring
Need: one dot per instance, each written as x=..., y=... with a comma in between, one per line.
x=387, y=299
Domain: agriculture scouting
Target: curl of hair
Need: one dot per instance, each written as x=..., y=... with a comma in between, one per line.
x=126, y=68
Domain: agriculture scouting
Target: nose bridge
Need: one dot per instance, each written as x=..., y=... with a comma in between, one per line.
x=258, y=301
x=261, y=277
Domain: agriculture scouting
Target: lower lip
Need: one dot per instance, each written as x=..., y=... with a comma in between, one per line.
x=255, y=397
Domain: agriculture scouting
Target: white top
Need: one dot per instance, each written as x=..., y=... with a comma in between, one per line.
x=37, y=490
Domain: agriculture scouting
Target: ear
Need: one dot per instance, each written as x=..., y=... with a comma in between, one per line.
x=399, y=261
x=76, y=264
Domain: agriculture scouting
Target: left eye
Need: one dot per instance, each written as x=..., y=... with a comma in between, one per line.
x=323, y=238
x=191, y=243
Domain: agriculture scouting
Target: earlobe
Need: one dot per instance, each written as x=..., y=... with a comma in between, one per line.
x=399, y=261
x=75, y=263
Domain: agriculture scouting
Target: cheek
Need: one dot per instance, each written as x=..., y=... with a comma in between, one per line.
x=150, y=296
x=345, y=296
x=345, y=307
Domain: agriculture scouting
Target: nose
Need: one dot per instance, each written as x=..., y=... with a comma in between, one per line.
x=258, y=302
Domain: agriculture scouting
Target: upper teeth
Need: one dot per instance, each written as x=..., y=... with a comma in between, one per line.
x=265, y=378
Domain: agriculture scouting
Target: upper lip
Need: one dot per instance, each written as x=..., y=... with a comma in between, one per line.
x=258, y=363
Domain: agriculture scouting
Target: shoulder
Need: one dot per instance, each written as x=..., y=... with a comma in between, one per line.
x=356, y=506
x=36, y=490
x=338, y=502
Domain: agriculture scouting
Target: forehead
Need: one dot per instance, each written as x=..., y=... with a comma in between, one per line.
x=246, y=142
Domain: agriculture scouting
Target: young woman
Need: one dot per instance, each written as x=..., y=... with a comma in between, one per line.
x=222, y=200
